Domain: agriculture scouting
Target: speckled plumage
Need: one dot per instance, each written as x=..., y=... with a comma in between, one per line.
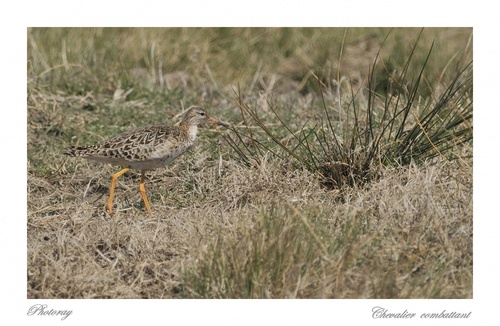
x=146, y=148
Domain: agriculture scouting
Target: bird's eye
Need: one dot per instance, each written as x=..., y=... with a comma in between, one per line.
x=202, y=113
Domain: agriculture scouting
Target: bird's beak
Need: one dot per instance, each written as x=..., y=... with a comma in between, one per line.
x=216, y=122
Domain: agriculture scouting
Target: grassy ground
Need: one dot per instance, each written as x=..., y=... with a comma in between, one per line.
x=227, y=225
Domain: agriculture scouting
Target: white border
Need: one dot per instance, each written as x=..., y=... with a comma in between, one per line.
x=17, y=16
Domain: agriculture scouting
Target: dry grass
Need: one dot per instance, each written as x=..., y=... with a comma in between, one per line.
x=245, y=232
x=219, y=228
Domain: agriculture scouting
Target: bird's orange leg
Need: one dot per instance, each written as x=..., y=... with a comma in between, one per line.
x=143, y=193
x=112, y=190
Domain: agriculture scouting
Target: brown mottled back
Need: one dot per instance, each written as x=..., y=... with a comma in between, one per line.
x=148, y=147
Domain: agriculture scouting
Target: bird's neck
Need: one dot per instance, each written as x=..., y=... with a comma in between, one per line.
x=191, y=130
